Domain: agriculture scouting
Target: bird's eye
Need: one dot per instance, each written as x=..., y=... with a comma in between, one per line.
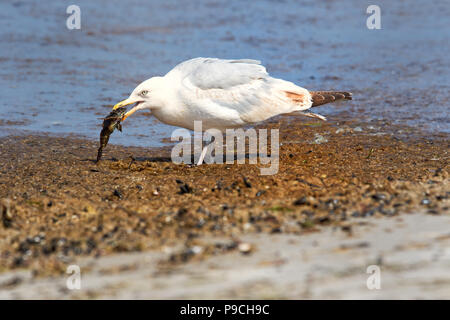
x=144, y=92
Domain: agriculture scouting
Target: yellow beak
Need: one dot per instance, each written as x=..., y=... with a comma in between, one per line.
x=124, y=103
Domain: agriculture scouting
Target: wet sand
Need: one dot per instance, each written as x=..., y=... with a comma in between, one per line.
x=412, y=252
x=58, y=206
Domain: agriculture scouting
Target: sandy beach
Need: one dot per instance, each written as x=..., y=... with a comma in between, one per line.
x=59, y=207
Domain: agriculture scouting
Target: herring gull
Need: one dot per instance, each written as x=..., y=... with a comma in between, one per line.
x=223, y=94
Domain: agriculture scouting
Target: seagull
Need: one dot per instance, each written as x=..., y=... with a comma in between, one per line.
x=223, y=94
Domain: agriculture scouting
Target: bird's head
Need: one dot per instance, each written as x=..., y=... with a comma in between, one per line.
x=147, y=95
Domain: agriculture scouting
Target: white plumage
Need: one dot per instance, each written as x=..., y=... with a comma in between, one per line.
x=223, y=94
x=220, y=93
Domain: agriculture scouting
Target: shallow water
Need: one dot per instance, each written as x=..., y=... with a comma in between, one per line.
x=62, y=81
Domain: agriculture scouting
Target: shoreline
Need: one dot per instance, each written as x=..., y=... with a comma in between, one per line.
x=342, y=117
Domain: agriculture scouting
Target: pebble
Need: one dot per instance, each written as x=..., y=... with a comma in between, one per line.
x=117, y=193
x=319, y=139
x=260, y=193
x=245, y=248
x=197, y=249
x=184, y=187
x=378, y=196
x=247, y=183
x=6, y=215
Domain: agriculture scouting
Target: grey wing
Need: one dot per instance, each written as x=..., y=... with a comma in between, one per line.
x=213, y=73
x=241, y=86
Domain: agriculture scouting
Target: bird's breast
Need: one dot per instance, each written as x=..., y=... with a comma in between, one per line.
x=210, y=117
x=173, y=118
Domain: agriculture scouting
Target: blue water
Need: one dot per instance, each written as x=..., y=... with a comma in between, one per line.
x=60, y=81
